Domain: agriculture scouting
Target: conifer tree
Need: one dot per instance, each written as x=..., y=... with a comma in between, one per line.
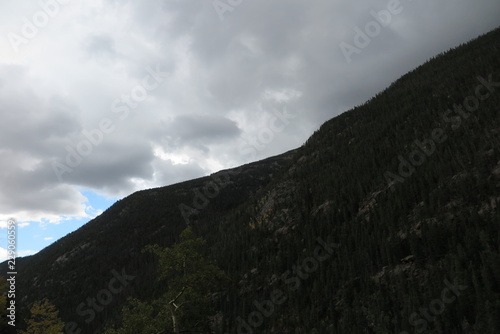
x=191, y=279
x=187, y=304
x=44, y=319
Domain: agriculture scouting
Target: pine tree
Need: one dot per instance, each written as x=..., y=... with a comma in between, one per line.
x=44, y=319
x=141, y=318
x=186, y=306
x=191, y=278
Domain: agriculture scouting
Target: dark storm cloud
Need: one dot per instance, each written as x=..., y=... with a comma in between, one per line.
x=109, y=170
x=222, y=82
x=201, y=128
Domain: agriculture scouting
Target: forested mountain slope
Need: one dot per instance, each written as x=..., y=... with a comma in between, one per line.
x=386, y=220
x=407, y=188
x=84, y=262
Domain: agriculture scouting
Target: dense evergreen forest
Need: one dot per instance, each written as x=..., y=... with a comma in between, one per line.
x=385, y=221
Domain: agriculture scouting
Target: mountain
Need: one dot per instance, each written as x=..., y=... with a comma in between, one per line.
x=385, y=221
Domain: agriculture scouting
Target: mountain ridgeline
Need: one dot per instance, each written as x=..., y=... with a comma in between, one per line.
x=385, y=221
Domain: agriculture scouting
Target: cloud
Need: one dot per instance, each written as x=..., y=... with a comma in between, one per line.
x=100, y=45
x=222, y=82
x=200, y=130
x=26, y=252
x=4, y=255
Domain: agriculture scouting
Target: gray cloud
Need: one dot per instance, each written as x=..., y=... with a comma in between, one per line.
x=201, y=130
x=222, y=82
x=101, y=45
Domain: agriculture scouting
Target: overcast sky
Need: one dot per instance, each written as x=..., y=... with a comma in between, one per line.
x=100, y=98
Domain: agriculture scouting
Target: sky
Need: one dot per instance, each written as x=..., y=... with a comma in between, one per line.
x=101, y=98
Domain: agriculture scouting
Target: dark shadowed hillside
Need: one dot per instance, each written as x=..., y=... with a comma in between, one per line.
x=385, y=221
x=81, y=264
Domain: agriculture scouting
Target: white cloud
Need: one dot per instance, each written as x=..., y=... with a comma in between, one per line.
x=27, y=252
x=223, y=79
x=3, y=254
x=20, y=253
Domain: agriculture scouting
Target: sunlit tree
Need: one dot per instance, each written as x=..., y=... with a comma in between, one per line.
x=44, y=319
